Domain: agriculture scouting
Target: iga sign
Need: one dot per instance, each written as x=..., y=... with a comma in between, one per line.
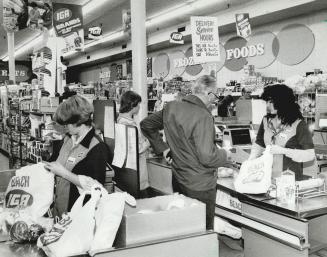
x=245, y=51
x=67, y=18
x=176, y=37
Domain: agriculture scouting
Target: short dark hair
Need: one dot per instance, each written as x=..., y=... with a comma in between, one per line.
x=75, y=110
x=128, y=101
x=33, y=4
x=284, y=102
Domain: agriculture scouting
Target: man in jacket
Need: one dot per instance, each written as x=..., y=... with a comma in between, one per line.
x=190, y=133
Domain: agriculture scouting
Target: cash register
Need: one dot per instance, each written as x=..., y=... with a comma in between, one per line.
x=240, y=140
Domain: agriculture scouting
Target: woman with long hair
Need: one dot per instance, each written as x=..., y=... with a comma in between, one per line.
x=285, y=130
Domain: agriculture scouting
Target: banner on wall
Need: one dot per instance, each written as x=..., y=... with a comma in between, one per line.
x=23, y=71
x=205, y=39
x=20, y=14
x=68, y=23
x=243, y=26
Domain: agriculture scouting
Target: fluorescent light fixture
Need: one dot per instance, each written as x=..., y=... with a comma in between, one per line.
x=106, y=38
x=179, y=10
x=169, y=15
x=28, y=44
x=92, y=5
x=25, y=46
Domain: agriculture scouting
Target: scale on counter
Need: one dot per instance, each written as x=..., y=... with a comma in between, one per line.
x=240, y=140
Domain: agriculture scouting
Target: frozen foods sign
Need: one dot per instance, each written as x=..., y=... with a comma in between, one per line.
x=205, y=39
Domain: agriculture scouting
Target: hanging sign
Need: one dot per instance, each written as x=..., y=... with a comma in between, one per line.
x=68, y=23
x=126, y=20
x=205, y=39
x=243, y=26
x=67, y=18
x=176, y=38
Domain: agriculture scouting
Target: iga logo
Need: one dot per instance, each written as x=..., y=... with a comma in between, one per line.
x=18, y=197
x=63, y=15
x=176, y=37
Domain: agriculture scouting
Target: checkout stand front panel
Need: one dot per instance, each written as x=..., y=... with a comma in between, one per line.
x=269, y=228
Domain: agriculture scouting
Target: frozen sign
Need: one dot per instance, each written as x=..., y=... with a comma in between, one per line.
x=205, y=39
x=183, y=62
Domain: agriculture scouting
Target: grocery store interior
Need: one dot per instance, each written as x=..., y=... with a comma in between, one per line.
x=163, y=128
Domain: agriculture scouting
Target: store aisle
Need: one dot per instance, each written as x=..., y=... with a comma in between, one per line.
x=4, y=162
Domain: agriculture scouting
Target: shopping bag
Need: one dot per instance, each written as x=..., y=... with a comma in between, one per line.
x=108, y=216
x=75, y=235
x=255, y=175
x=31, y=189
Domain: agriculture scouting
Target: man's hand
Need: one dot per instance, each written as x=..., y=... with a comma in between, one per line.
x=167, y=155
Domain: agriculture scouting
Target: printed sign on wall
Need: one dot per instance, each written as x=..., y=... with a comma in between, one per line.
x=205, y=39
x=243, y=26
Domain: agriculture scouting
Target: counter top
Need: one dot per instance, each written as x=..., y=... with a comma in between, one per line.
x=302, y=210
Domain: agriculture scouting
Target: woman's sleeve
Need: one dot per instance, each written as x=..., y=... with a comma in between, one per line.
x=260, y=136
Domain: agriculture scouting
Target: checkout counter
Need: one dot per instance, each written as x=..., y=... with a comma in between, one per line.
x=269, y=228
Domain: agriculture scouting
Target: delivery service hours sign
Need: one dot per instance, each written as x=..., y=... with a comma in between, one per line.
x=205, y=39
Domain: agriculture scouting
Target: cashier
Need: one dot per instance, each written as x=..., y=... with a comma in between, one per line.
x=83, y=156
x=285, y=130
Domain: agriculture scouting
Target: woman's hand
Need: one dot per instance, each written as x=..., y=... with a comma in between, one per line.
x=276, y=149
x=57, y=169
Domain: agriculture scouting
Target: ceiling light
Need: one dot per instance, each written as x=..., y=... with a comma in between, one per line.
x=91, y=6
x=172, y=13
x=168, y=15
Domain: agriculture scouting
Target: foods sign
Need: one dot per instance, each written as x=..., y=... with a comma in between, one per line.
x=67, y=18
x=205, y=39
